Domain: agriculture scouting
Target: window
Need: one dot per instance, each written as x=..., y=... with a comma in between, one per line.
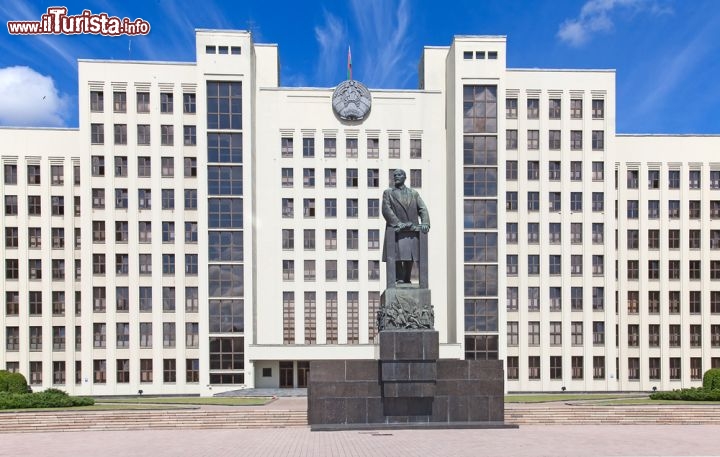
x=554, y=170
x=598, y=333
x=599, y=367
x=144, y=198
x=99, y=335
x=512, y=298
x=576, y=108
x=98, y=166
x=308, y=177
x=97, y=134
x=189, y=135
x=511, y=108
x=11, y=205
x=598, y=109
x=598, y=233
x=533, y=333
x=373, y=207
x=168, y=264
x=415, y=178
x=533, y=232
x=511, y=263
x=143, y=102
x=555, y=298
x=511, y=201
x=57, y=205
x=373, y=239
x=308, y=147
x=352, y=240
x=673, y=269
x=576, y=298
x=373, y=148
x=533, y=108
x=598, y=294
x=119, y=102
x=394, y=148
x=533, y=170
x=693, y=209
x=330, y=207
x=96, y=101
x=512, y=333
x=714, y=179
x=576, y=140
x=533, y=203
x=167, y=135
x=10, y=174
x=554, y=108
x=121, y=166
x=695, y=271
x=351, y=148
x=576, y=201
x=598, y=140
x=632, y=209
x=146, y=369
x=286, y=147
x=57, y=177
x=533, y=367
x=694, y=177
x=415, y=149
x=674, y=179
x=653, y=179
x=166, y=102
x=576, y=264
x=673, y=209
x=191, y=299
x=674, y=334
x=674, y=239
x=168, y=334
x=351, y=179
x=533, y=265
x=633, y=368
x=533, y=139
x=145, y=264
x=192, y=370
x=189, y=103
x=555, y=367
x=695, y=302
x=511, y=170
x=330, y=239
x=143, y=134
x=598, y=202
x=121, y=231
x=511, y=233
x=576, y=171
x=511, y=140
x=330, y=147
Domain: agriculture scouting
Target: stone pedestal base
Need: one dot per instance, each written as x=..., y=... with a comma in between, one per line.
x=409, y=387
x=403, y=305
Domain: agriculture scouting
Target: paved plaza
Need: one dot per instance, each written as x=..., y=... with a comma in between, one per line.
x=605, y=440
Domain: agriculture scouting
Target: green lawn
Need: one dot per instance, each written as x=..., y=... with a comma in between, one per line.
x=99, y=407
x=541, y=398
x=223, y=401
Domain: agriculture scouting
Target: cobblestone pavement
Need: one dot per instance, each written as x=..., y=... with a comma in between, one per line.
x=556, y=441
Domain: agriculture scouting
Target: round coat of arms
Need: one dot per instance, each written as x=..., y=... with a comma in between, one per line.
x=351, y=100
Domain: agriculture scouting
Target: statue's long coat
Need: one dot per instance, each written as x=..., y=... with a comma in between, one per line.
x=404, y=205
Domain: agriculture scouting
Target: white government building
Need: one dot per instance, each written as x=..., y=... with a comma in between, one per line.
x=205, y=229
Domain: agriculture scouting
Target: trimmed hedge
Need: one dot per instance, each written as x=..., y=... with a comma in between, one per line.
x=691, y=394
x=51, y=398
x=711, y=379
x=13, y=382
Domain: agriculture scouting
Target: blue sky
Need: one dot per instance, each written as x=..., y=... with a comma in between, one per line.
x=666, y=52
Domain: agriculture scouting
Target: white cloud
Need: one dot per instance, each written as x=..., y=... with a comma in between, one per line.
x=332, y=39
x=30, y=99
x=384, y=27
x=596, y=16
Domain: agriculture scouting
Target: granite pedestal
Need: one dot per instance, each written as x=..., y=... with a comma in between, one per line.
x=407, y=387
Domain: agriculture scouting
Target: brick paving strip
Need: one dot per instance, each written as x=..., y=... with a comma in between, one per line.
x=531, y=440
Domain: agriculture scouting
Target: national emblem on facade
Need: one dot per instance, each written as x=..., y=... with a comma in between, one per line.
x=351, y=100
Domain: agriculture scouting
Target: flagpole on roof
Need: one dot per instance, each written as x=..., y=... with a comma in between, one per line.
x=349, y=64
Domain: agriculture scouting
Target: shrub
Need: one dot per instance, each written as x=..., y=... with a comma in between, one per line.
x=13, y=382
x=51, y=398
x=711, y=379
x=691, y=394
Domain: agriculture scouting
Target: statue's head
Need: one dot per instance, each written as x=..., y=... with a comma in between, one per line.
x=399, y=177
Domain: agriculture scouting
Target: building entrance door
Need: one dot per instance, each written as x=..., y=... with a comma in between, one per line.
x=286, y=375
x=303, y=373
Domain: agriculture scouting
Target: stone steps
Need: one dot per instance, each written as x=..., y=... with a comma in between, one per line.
x=229, y=418
x=136, y=420
x=618, y=415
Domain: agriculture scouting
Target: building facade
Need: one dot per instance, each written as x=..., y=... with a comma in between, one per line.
x=226, y=230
